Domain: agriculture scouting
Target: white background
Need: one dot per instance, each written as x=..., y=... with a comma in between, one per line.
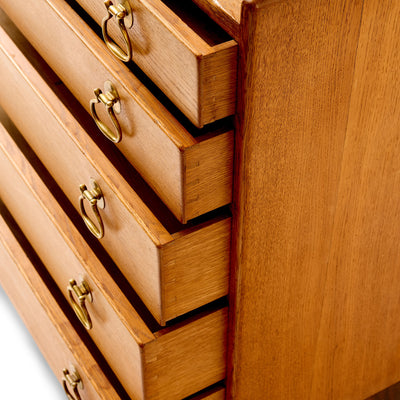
x=24, y=373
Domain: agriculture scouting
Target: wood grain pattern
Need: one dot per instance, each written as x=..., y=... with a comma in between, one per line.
x=359, y=339
x=225, y=12
x=297, y=75
x=52, y=234
x=215, y=153
x=158, y=356
x=192, y=352
x=60, y=142
x=209, y=246
x=153, y=140
x=174, y=57
x=214, y=74
x=46, y=321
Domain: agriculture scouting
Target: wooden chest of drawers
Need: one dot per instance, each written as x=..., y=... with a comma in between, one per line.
x=157, y=270
x=242, y=155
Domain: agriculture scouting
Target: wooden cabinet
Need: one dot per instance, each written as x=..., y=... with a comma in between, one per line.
x=252, y=161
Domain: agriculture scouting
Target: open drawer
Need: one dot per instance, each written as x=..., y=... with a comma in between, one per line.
x=151, y=362
x=190, y=171
x=180, y=48
x=55, y=336
x=174, y=268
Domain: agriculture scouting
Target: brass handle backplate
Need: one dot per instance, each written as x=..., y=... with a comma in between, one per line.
x=96, y=200
x=122, y=12
x=110, y=99
x=72, y=379
x=82, y=293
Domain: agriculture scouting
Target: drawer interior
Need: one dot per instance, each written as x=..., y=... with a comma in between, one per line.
x=198, y=21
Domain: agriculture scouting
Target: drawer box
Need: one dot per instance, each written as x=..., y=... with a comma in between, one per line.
x=55, y=336
x=169, y=363
x=186, y=54
x=191, y=174
x=173, y=268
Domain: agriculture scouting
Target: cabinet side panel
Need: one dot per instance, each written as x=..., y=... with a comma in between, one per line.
x=296, y=71
x=359, y=337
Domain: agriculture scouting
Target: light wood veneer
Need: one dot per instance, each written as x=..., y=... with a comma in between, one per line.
x=192, y=175
x=46, y=321
x=170, y=363
x=187, y=59
x=173, y=268
x=316, y=252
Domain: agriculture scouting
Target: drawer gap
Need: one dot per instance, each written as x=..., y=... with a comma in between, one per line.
x=198, y=21
x=205, y=393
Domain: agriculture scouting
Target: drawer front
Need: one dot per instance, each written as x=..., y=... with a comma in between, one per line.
x=169, y=364
x=173, y=273
x=194, y=66
x=50, y=328
x=192, y=176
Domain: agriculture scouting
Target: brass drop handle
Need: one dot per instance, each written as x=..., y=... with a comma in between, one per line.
x=111, y=101
x=82, y=293
x=123, y=14
x=93, y=196
x=72, y=379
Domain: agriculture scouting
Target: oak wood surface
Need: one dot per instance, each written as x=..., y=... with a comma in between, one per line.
x=188, y=251
x=46, y=321
x=134, y=237
x=152, y=139
x=213, y=154
x=297, y=67
x=66, y=257
x=159, y=378
x=175, y=57
x=186, y=357
x=358, y=345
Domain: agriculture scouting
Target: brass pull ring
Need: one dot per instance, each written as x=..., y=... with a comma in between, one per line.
x=83, y=293
x=111, y=100
x=72, y=379
x=123, y=14
x=93, y=196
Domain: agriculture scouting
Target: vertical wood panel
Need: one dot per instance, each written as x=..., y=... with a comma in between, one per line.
x=297, y=68
x=359, y=341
